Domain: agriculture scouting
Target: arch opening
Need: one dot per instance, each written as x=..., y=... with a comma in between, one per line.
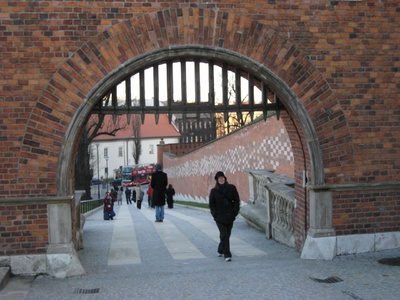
x=258, y=75
x=276, y=96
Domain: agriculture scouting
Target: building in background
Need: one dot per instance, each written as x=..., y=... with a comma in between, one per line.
x=117, y=151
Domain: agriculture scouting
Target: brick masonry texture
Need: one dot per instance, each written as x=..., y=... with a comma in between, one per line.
x=367, y=212
x=192, y=174
x=339, y=59
x=23, y=229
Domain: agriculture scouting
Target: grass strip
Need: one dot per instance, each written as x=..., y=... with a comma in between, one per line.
x=189, y=203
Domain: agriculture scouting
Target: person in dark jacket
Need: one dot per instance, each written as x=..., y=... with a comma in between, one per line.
x=224, y=203
x=159, y=182
x=128, y=194
x=170, y=196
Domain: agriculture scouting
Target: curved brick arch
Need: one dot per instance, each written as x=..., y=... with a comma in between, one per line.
x=95, y=67
x=59, y=115
x=46, y=158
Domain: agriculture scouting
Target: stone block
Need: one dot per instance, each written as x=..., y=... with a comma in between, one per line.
x=5, y=261
x=322, y=248
x=63, y=261
x=28, y=264
x=356, y=243
x=256, y=216
x=387, y=240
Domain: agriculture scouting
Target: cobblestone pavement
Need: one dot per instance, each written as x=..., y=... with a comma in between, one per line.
x=133, y=257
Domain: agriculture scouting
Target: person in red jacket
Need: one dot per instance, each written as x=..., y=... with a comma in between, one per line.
x=108, y=207
x=150, y=196
x=224, y=205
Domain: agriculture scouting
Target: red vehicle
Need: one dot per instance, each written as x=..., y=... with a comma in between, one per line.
x=139, y=174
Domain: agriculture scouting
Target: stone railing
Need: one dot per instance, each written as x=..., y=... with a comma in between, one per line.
x=79, y=219
x=271, y=205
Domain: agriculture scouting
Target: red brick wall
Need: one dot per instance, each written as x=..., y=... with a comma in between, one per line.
x=23, y=229
x=176, y=149
x=367, y=211
x=263, y=145
x=340, y=59
x=302, y=164
x=354, y=46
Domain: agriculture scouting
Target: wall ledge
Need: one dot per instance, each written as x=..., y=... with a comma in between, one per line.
x=326, y=248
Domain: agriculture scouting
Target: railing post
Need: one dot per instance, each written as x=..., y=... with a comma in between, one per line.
x=78, y=219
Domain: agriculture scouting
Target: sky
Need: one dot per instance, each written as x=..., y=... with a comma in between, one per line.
x=190, y=82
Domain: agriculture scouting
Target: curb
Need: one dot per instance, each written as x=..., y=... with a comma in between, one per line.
x=4, y=276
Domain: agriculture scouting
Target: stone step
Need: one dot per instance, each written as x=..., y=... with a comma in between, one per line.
x=4, y=276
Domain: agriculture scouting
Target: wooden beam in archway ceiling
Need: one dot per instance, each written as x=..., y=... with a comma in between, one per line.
x=232, y=99
x=185, y=109
x=109, y=105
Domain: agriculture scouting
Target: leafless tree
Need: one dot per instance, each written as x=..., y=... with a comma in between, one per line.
x=234, y=120
x=137, y=144
x=97, y=125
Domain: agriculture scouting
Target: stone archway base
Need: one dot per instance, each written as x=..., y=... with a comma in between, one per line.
x=326, y=248
x=322, y=248
x=61, y=261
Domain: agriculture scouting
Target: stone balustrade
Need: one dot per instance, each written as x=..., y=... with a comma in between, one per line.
x=271, y=205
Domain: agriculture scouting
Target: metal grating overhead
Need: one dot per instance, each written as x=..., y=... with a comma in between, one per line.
x=228, y=89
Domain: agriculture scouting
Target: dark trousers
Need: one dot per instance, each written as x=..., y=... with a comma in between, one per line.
x=224, y=235
x=109, y=215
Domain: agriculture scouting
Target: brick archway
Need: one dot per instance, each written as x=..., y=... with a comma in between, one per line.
x=95, y=67
x=62, y=109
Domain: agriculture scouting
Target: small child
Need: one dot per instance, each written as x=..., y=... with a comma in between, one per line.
x=139, y=195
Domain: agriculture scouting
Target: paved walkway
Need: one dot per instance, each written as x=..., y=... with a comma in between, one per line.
x=133, y=257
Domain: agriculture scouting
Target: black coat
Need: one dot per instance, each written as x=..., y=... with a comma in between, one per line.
x=159, y=182
x=170, y=193
x=224, y=203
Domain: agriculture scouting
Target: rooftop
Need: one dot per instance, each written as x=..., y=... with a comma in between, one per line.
x=149, y=129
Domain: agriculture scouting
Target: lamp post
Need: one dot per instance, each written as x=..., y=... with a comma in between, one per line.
x=107, y=172
x=98, y=172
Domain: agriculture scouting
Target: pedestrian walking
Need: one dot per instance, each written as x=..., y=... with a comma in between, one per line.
x=170, y=196
x=149, y=196
x=134, y=195
x=139, y=195
x=159, y=182
x=108, y=207
x=224, y=205
x=119, y=196
x=128, y=194
x=114, y=194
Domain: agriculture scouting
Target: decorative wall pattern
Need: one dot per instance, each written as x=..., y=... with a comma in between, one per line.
x=270, y=153
x=263, y=145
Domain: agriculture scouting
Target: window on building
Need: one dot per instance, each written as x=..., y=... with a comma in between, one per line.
x=120, y=152
x=151, y=149
x=105, y=152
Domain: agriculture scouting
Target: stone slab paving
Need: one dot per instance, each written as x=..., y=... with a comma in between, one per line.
x=135, y=258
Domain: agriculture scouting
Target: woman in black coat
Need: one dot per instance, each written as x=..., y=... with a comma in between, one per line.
x=170, y=196
x=224, y=205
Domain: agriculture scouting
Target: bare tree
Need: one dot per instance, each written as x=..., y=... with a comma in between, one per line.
x=137, y=145
x=234, y=120
x=97, y=125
